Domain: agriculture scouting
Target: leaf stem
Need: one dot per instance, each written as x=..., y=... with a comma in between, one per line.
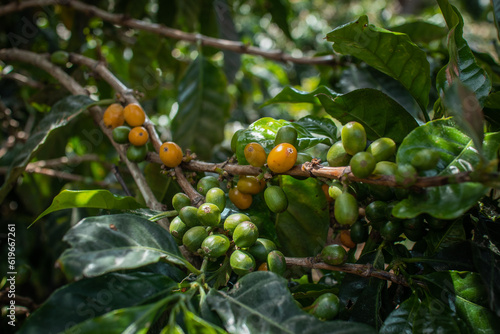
x=166, y=214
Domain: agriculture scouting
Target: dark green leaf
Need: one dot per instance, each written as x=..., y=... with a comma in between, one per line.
x=108, y=243
x=261, y=303
x=89, y=298
x=461, y=103
x=279, y=10
x=263, y=131
x=389, y=52
x=364, y=76
x=487, y=260
x=97, y=199
x=457, y=154
x=496, y=12
x=437, y=240
x=319, y=125
x=61, y=113
x=421, y=31
x=429, y=315
x=302, y=229
x=293, y=95
x=380, y=115
x=137, y=319
x=195, y=324
x=462, y=64
x=157, y=181
x=465, y=290
x=203, y=108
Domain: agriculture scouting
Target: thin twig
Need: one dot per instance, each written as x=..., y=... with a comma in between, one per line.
x=75, y=88
x=120, y=180
x=196, y=198
x=195, y=38
x=364, y=270
x=320, y=171
x=22, y=79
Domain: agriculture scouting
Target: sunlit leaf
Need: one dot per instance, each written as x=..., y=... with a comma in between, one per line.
x=97, y=199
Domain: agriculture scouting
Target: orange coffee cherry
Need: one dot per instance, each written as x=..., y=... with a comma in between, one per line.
x=113, y=116
x=282, y=157
x=241, y=200
x=345, y=239
x=170, y=154
x=255, y=154
x=134, y=114
x=249, y=185
x=138, y=136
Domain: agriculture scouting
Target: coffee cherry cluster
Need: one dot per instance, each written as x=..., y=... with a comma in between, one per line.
x=377, y=158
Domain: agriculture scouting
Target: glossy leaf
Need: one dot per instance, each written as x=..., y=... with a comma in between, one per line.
x=429, y=315
x=264, y=130
x=319, y=125
x=389, y=52
x=137, y=319
x=457, y=154
x=461, y=103
x=293, y=95
x=195, y=324
x=61, y=113
x=466, y=292
x=109, y=243
x=462, y=64
x=302, y=229
x=380, y=115
x=89, y=298
x=261, y=303
x=421, y=31
x=364, y=76
x=97, y=199
x=203, y=108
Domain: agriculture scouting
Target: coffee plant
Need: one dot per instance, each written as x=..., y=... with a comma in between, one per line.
x=182, y=180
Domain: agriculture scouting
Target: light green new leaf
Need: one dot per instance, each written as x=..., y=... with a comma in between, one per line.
x=203, y=108
x=293, y=95
x=96, y=199
x=462, y=64
x=389, y=52
x=61, y=114
x=116, y=242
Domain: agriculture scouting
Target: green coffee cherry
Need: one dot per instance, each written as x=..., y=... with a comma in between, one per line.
x=242, y=262
x=303, y=158
x=234, y=220
x=425, y=159
x=120, y=134
x=353, y=137
x=337, y=156
x=234, y=140
x=346, y=209
x=261, y=248
x=359, y=232
x=194, y=237
x=178, y=228
x=276, y=262
x=59, y=57
x=335, y=189
x=209, y=214
x=286, y=134
x=382, y=149
x=406, y=175
x=215, y=245
x=245, y=234
x=334, y=255
x=362, y=164
x=414, y=228
x=391, y=230
x=376, y=211
x=189, y=215
x=206, y=183
x=216, y=196
x=385, y=168
x=326, y=306
x=137, y=153
x=275, y=199
x=180, y=200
